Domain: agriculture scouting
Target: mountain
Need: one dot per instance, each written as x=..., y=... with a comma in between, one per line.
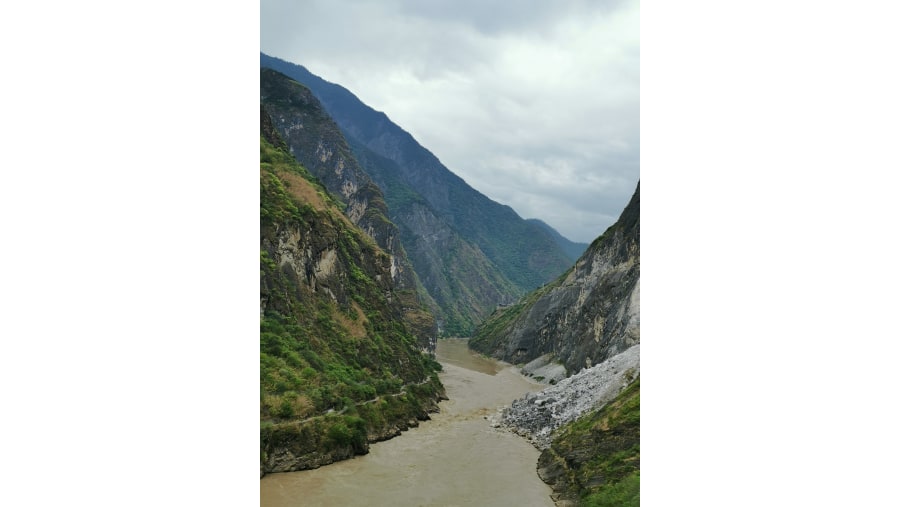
x=317, y=143
x=583, y=332
x=340, y=366
x=571, y=248
x=471, y=253
x=587, y=315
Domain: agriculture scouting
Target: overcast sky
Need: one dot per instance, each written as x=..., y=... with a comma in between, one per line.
x=533, y=103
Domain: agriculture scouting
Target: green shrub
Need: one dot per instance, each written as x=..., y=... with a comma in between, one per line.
x=286, y=409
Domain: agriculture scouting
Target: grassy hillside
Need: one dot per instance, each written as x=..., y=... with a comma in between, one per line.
x=339, y=366
x=596, y=459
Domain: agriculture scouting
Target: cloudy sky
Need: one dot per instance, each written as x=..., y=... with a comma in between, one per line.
x=533, y=103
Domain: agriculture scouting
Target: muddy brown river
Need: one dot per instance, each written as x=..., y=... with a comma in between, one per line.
x=455, y=459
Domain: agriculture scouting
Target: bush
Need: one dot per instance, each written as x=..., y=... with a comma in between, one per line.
x=340, y=435
x=286, y=409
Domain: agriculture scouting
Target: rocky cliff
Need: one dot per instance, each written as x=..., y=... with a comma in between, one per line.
x=501, y=255
x=313, y=138
x=339, y=364
x=584, y=317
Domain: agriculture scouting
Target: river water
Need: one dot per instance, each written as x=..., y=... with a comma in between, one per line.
x=455, y=459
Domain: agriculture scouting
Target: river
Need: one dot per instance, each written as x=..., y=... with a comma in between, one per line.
x=455, y=459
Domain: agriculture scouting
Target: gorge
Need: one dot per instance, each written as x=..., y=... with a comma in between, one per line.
x=372, y=254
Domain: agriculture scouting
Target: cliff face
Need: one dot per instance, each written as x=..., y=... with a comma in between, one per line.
x=501, y=255
x=315, y=141
x=584, y=317
x=339, y=364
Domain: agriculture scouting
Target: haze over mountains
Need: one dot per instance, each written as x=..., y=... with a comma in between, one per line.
x=470, y=253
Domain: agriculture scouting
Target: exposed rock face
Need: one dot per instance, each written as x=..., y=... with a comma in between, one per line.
x=317, y=143
x=299, y=447
x=586, y=316
x=285, y=459
x=545, y=369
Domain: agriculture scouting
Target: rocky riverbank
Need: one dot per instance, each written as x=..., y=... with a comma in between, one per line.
x=536, y=415
x=327, y=438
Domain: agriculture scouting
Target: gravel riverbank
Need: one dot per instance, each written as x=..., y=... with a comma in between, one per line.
x=536, y=415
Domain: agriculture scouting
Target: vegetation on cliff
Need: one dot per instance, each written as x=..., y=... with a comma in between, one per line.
x=596, y=458
x=339, y=366
x=312, y=137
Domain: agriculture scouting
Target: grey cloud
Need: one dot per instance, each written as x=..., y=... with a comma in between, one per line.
x=536, y=107
x=502, y=16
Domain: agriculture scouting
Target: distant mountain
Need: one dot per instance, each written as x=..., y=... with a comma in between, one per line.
x=572, y=249
x=340, y=366
x=584, y=317
x=470, y=252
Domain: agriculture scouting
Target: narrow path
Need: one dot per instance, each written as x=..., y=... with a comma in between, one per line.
x=341, y=411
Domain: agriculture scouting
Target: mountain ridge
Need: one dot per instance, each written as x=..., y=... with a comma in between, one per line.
x=527, y=254
x=573, y=249
x=315, y=141
x=585, y=316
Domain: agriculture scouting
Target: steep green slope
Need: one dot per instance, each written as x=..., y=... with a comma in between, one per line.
x=339, y=366
x=524, y=253
x=596, y=459
x=316, y=142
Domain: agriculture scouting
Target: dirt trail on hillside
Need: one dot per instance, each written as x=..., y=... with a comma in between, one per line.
x=457, y=458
